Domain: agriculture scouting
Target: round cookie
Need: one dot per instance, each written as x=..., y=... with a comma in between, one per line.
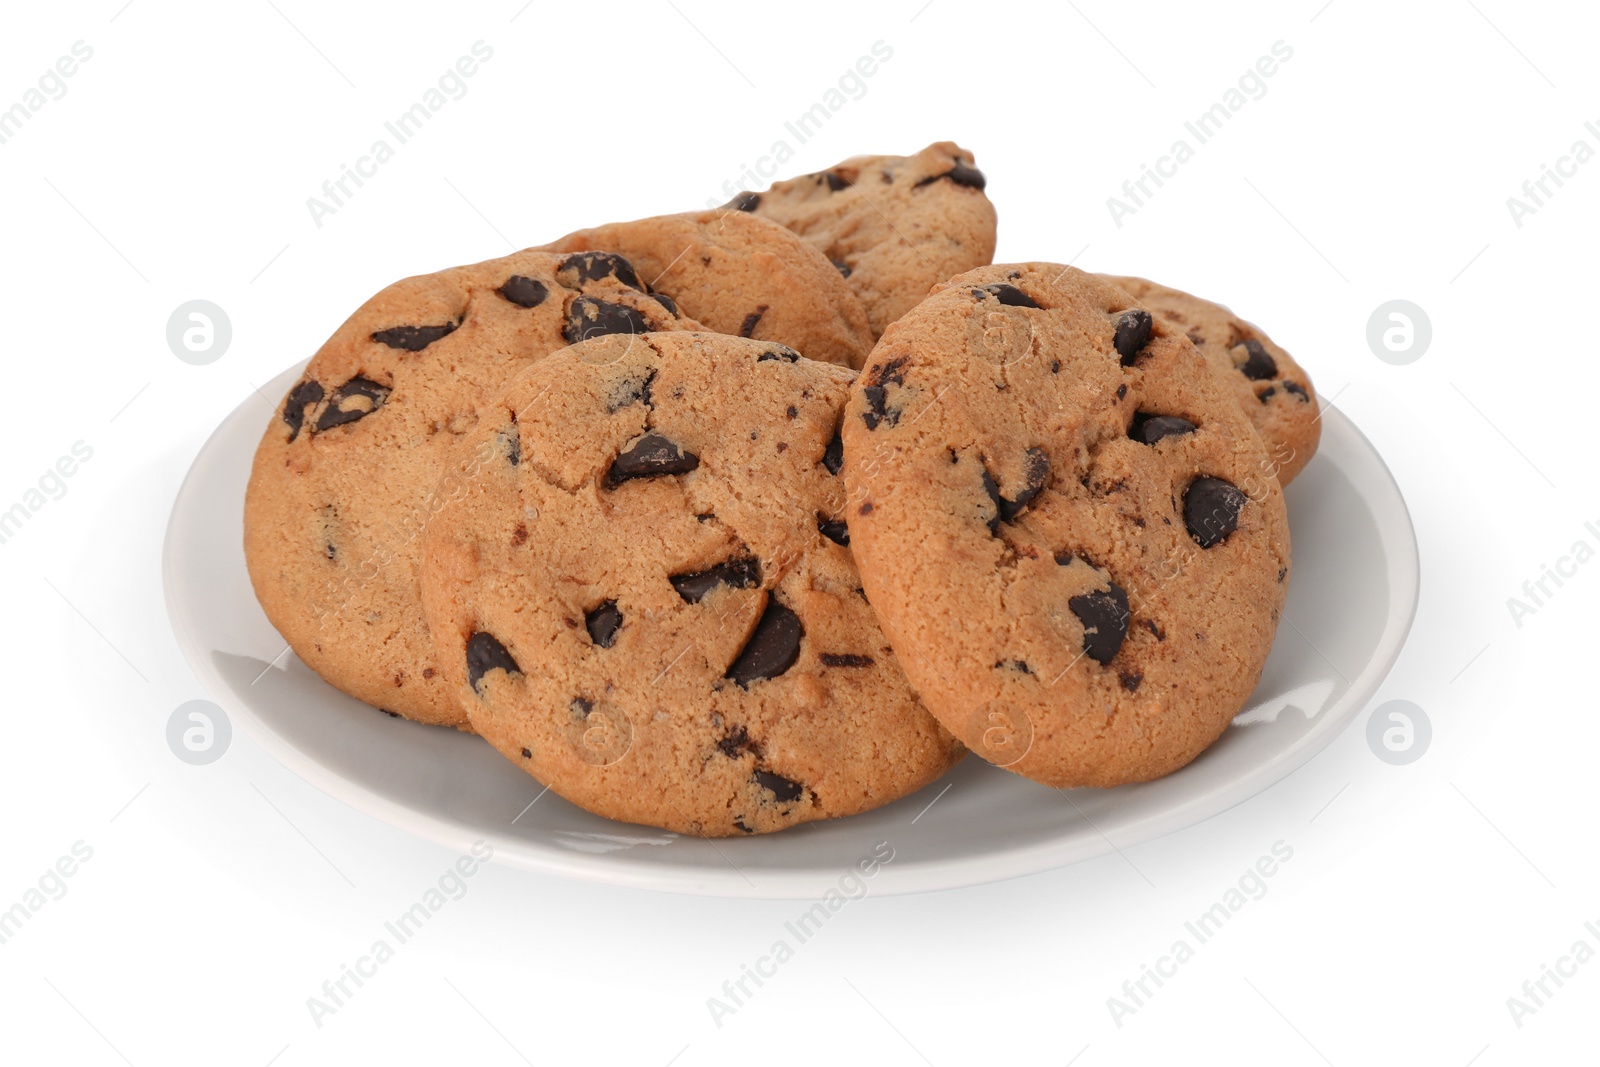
x=1271, y=387
x=741, y=275
x=654, y=612
x=349, y=468
x=1066, y=525
x=893, y=225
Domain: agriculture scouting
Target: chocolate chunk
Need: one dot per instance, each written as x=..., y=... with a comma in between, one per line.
x=307, y=395
x=834, y=181
x=527, y=754
x=782, y=353
x=1260, y=365
x=1104, y=615
x=772, y=648
x=1267, y=393
x=833, y=455
x=745, y=201
x=1035, y=473
x=583, y=267
x=834, y=530
x=355, y=400
x=1008, y=295
x=780, y=787
x=413, y=338
x=734, y=742
x=1151, y=428
x=651, y=456
x=741, y=573
x=1211, y=509
x=588, y=318
x=484, y=654
x=961, y=174
x=1133, y=333
x=877, y=407
x=1064, y=558
x=524, y=292
x=580, y=707
x=748, y=327
x=842, y=266
x=1298, y=390
x=1130, y=680
x=845, y=659
x=602, y=622
x=667, y=302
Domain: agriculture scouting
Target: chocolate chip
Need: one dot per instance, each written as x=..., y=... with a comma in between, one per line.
x=667, y=302
x=781, y=353
x=602, y=621
x=745, y=202
x=1008, y=295
x=1122, y=390
x=780, y=787
x=1130, y=680
x=511, y=442
x=833, y=455
x=580, y=707
x=834, y=181
x=741, y=573
x=1035, y=473
x=1064, y=558
x=527, y=754
x=748, y=327
x=734, y=742
x=834, y=530
x=413, y=338
x=842, y=266
x=583, y=267
x=1260, y=365
x=305, y=395
x=961, y=174
x=651, y=456
x=1151, y=428
x=1267, y=393
x=1211, y=509
x=1150, y=624
x=524, y=292
x=1104, y=615
x=845, y=659
x=1014, y=665
x=362, y=395
x=588, y=318
x=484, y=654
x=772, y=648
x=1298, y=390
x=1133, y=333
x=877, y=407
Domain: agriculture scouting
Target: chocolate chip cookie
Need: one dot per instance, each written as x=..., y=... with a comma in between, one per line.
x=893, y=225
x=350, y=467
x=741, y=275
x=646, y=601
x=1271, y=387
x=1066, y=524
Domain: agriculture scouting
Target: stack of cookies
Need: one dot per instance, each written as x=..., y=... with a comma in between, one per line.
x=728, y=521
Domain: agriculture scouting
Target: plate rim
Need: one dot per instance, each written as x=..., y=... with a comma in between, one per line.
x=1396, y=534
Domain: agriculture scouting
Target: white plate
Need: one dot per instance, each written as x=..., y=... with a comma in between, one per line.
x=1350, y=606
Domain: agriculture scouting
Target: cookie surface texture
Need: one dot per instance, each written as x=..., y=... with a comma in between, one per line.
x=351, y=463
x=1066, y=524
x=741, y=275
x=893, y=225
x=654, y=612
x=1274, y=391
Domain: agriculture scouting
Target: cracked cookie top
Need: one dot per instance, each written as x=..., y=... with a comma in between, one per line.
x=350, y=465
x=645, y=600
x=1069, y=530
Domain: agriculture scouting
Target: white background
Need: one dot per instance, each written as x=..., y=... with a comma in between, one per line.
x=1376, y=166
